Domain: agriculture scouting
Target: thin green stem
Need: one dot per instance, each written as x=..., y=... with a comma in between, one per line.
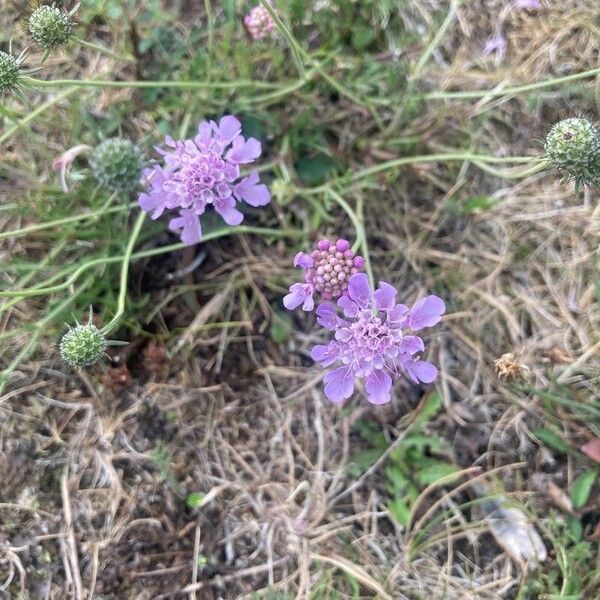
x=64, y=221
x=170, y=84
x=357, y=219
x=452, y=156
x=125, y=272
x=102, y=49
x=105, y=260
x=42, y=108
x=210, y=18
x=351, y=214
x=509, y=91
x=435, y=42
x=285, y=91
x=295, y=48
x=365, y=246
x=539, y=166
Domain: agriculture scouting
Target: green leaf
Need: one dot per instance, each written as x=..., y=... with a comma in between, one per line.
x=430, y=409
x=398, y=480
x=194, y=500
x=229, y=10
x=315, y=170
x=361, y=461
x=399, y=511
x=281, y=327
x=434, y=471
x=582, y=487
x=575, y=527
x=479, y=204
x=362, y=38
x=552, y=439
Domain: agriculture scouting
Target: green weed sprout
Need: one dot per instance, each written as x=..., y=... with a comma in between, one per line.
x=117, y=164
x=51, y=27
x=573, y=148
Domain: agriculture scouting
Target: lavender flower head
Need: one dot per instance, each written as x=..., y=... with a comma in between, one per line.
x=328, y=269
x=527, y=4
x=374, y=340
x=259, y=23
x=204, y=171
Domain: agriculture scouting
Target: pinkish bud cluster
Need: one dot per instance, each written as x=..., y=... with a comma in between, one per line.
x=328, y=269
x=259, y=23
x=333, y=266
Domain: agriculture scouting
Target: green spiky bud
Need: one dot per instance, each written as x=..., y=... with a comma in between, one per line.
x=117, y=163
x=10, y=72
x=83, y=345
x=50, y=27
x=573, y=147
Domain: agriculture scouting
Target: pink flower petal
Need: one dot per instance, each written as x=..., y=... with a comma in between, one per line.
x=426, y=312
x=325, y=355
x=226, y=208
x=229, y=128
x=378, y=386
x=242, y=151
x=300, y=293
x=339, y=384
x=190, y=225
x=303, y=260
x=421, y=370
x=385, y=296
x=327, y=316
x=251, y=192
x=592, y=449
x=360, y=290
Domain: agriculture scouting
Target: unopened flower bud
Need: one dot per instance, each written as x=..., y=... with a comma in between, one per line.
x=573, y=147
x=83, y=345
x=51, y=27
x=117, y=164
x=10, y=72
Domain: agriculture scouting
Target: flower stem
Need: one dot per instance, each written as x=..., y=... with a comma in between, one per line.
x=295, y=48
x=167, y=84
x=509, y=91
x=105, y=260
x=357, y=218
x=102, y=49
x=452, y=156
x=365, y=245
x=125, y=272
x=73, y=219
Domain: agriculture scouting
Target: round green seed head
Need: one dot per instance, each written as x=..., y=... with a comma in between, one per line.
x=10, y=72
x=117, y=164
x=573, y=147
x=50, y=27
x=82, y=345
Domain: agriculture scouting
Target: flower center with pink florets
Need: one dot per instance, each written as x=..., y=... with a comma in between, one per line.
x=367, y=342
x=205, y=177
x=334, y=264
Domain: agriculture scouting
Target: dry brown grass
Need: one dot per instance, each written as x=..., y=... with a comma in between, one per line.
x=96, y=468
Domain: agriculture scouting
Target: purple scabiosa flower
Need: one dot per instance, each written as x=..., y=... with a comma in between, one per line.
x=259, y=23
x=495, y=45
x=527, y=4
x=328, y=269
x=374, y=340
x=204, y=171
